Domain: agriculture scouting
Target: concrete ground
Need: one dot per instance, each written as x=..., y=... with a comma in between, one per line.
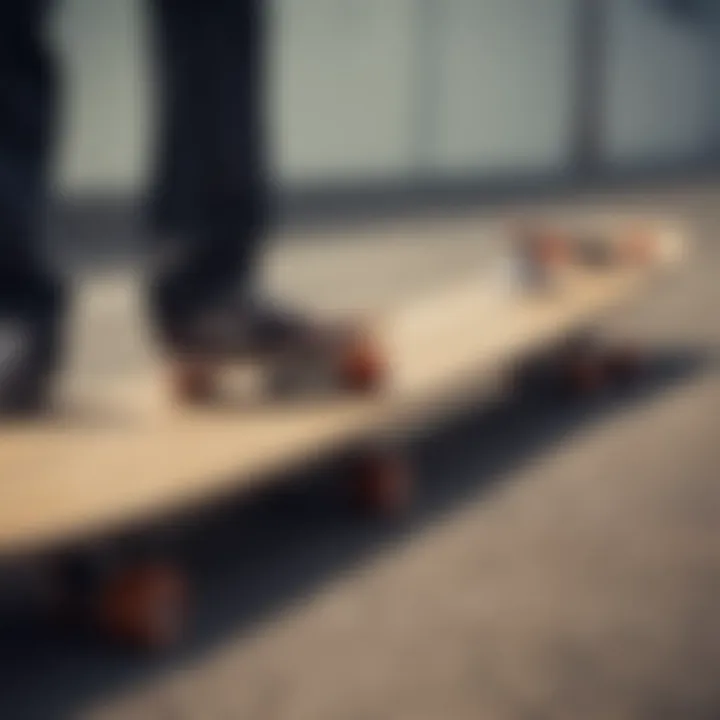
x=562, y=562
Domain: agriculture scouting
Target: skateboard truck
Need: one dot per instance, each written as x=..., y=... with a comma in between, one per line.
x=545, y=250
x=586, y=367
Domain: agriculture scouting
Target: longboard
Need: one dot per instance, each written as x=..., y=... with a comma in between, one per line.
x=127, y=456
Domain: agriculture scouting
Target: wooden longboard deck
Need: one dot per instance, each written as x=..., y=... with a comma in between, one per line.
x=130, y=455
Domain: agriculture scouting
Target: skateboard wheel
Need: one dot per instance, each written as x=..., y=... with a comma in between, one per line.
x=362, y=367
x=382, y=484
x=545, y=247
x=638, y=246
x=144, y=607
x=624, y=363
x=583, y=375
x=543, y=254
x=193, y=383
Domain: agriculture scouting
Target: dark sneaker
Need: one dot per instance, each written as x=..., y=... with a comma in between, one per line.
x=29, y=355
x=244, y=328
x=296, y=353
x=23, y=387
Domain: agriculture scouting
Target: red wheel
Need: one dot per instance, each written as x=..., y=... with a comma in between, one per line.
x=638, y=246
x=383, y=483
x=145, y=607
x=193, y=382
x=362, y=365
x=546, y=247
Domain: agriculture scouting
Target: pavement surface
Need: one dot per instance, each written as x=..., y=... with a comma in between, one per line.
x=562, y=561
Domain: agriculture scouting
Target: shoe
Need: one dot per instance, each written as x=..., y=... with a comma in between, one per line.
x=29, y=355
x=23, y=382
x=250, y=327
x=295, y=352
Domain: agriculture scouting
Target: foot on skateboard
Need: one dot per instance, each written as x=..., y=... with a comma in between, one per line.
x=29, y=355
x=289, y=347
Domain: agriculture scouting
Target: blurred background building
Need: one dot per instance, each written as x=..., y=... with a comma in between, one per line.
x=379, y=101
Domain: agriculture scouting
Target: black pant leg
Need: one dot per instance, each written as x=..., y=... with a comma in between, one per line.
x=182, y=100
x=27, y=104
x=210, y=196
x=237, y=198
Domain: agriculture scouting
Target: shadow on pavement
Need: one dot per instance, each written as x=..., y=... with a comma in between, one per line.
x=277, y=547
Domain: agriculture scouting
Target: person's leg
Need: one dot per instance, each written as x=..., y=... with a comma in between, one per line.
x=210, y=200
x=182, y=99
x=30, y=302
x=237, y=191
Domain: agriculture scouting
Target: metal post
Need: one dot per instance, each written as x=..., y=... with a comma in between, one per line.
x=425, y=91
x=589, y=91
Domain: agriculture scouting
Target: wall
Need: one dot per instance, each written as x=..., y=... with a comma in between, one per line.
x=105, y=114
x=394, y=89
x=503, y=89
x=660, y=86
x=368, y=88
x=342, y=73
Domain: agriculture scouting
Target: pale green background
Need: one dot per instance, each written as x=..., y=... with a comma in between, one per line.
x=364, y=89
